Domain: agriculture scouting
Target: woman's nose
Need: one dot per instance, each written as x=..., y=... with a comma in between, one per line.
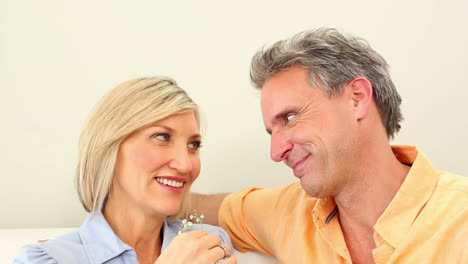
x=181, y=160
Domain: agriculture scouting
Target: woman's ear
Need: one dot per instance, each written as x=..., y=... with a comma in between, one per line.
x=361, y=96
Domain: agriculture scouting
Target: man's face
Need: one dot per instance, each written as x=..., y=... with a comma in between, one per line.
x=310, y=132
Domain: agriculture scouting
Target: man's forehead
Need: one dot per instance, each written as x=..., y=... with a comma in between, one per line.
x=270, y=100
x=276, y=95
x=275, y=104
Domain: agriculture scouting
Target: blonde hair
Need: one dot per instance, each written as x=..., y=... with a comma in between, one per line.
x=129, y=107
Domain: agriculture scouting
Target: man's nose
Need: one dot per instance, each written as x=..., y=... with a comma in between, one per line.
x=181, y=160
x=280, y=146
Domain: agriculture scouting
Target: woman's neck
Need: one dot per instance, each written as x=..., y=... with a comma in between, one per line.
x=136, y=228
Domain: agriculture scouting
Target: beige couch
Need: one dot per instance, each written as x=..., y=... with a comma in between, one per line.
x=11, y=241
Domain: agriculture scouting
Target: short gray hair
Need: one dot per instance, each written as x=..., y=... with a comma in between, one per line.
x=332, y=60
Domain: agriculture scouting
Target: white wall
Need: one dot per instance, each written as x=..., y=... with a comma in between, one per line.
x=57, y=58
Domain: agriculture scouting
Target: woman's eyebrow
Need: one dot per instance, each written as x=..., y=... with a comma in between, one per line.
x=164, y=127
x=196, y=136
x=170, y=129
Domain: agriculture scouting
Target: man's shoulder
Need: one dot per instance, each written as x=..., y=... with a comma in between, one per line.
x=447, y=203
x=440, y=228
x=292, y=191
x=290, y=199
x=453, y=183
x=293, y=188
x=451, y=194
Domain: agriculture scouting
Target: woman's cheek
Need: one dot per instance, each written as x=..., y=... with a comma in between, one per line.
x=196, y=167
x=146, y=159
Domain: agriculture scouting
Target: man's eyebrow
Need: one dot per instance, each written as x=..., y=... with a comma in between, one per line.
x=280, y=116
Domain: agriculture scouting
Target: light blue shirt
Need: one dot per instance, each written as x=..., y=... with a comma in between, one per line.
x=96, y=243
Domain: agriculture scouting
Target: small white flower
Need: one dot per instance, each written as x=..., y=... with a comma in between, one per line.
x=186, y=225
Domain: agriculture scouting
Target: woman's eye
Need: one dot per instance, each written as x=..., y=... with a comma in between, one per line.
x=195, y=145
x=162, y=137
x=289, y=117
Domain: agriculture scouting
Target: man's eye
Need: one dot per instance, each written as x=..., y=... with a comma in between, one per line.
x=195, y=145
x=289, y=117
x=162, y=137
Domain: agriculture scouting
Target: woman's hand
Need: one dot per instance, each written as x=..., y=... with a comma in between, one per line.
x=197, y=247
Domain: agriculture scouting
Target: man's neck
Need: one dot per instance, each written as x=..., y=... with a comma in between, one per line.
x=364, y=200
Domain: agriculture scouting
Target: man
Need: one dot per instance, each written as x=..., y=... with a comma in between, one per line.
x=330, y=106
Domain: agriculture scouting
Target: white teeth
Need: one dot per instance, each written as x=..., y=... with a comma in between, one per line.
x=171, y=183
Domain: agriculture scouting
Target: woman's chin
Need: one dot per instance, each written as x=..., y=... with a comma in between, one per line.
x=167, y=210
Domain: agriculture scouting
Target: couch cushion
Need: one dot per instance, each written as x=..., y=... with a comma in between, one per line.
x=12, y=240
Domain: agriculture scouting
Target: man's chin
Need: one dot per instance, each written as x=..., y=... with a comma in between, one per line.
x=312, y=190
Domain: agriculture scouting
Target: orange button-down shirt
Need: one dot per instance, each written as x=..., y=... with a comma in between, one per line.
x=426, y=222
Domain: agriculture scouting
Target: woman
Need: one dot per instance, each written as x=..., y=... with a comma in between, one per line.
x=138, y=157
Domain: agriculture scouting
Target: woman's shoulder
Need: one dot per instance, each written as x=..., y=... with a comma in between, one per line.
x=217, y=230
x=34, y=254
x=67, y=248
x=210, y=229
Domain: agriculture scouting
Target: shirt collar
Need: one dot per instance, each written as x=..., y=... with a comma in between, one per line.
x=99, y=240
x=101, y=243
x=170, y=230
x=324, y=211
x=410, y=198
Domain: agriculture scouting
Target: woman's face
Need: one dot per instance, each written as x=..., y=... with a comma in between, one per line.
x=157, y=165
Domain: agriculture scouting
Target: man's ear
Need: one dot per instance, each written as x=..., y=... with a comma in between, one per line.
x=361, y=95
